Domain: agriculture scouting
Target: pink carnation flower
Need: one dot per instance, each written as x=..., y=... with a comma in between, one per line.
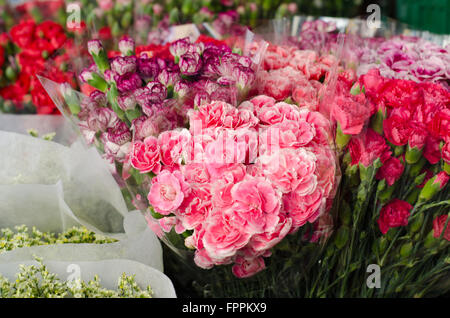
x=145, y=155
x=167, y=192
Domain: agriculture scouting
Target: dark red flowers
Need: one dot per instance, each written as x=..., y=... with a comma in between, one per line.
x=394, y=214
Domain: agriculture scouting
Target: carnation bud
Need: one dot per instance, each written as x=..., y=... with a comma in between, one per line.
x=430, y=240
x=433, y=186
x=399, y=150
x=382, y=244
x=93, y=79
x=126, y=45
x=113, y=95
x=420, y=179
x=10, y=73
x=381, y=185
x=346, y=214
x=417, y=224
x=406, y=250
x=413, y=154
x=341, y=138
x=416, y=168
x=342, y=237
x=447, y=168
x=98, y=53
x=281, y=11
x=413, y=196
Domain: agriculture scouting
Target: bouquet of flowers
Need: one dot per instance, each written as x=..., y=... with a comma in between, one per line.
x=394, y=137
x=226, y=169
x=24, y=51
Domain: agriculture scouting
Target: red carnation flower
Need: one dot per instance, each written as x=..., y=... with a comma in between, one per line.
x=391, y=171
x=440, y=125
x=31, y=62
x=432, y=151
x=207, y=39
x=367, y=147
x=446, y=152
x=16, y=92
x=394, y=214
x=22, y=34
x=402, y=93
x=438, y=227
x=49, y=36
x=105, y=33
x=397, y=127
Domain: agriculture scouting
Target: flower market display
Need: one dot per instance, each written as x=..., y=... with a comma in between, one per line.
x=272, y=154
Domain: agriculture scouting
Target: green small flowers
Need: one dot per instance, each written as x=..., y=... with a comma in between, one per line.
x=37, y=282
x=22, y=237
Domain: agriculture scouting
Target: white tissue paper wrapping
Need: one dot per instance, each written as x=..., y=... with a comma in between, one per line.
x=54, y=187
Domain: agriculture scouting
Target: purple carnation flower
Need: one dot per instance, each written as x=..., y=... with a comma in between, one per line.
x=126, y=102
x=180, y=47
x=148, y=68
x=181, y=89
x=168, y=78
x=190, y=64
x=128, y=82
x=99, y=98
x=102, y=118
x=126, y=45
x=94, y=47
x=124, y=64
x=143, y=127
x=157, y=90
x=119, y=134
x=201, y=98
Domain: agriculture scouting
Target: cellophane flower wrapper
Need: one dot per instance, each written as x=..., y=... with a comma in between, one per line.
x=143, y=176
x=65, y=185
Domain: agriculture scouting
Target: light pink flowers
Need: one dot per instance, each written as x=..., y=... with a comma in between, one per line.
x=243, y=178
x=167, y=191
